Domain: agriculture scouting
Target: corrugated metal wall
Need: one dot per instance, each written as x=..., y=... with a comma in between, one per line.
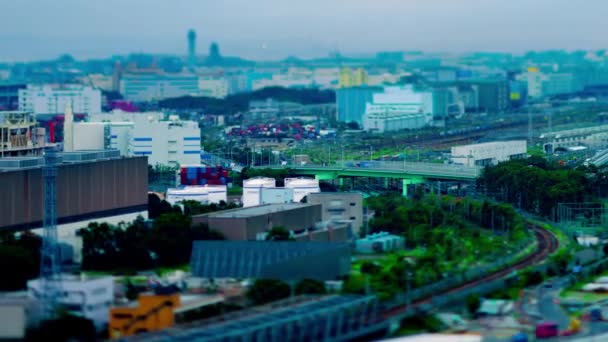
x=83, y=190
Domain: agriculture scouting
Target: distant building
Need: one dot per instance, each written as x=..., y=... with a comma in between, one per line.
x=351, y=102
x=489, y=153
x=252, y=223
x=88, y=297
x=542, y=84
x=340, y=206
x=252, y=189
x=53, y=99
x=286, y=260
x=141, y=87
x=191, y=49
x=352, y=78
x=493, y=95
x=398, y=108
x=9, y=95
x=213, y=87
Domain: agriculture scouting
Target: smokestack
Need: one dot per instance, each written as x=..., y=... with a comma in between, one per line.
x=68, y=129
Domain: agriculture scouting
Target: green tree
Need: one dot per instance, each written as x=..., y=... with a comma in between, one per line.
x=310, y=286
x=268, y=290
x=473, y=303
x=22, y=264
x=278, y=233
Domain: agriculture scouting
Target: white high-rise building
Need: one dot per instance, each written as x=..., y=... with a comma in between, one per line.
x=53, y=99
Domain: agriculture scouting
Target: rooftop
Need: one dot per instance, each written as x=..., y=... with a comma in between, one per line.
x=258, y=210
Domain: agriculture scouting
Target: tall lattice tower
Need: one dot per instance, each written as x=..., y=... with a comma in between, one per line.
x=50, y=273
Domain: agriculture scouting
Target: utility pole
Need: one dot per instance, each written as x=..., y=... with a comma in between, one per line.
x=50, y=272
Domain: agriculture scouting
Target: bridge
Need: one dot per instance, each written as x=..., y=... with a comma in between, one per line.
x=409, y=172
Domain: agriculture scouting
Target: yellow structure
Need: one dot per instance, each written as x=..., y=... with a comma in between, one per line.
x=575, y=325
x=352, y=78
x=153, y=313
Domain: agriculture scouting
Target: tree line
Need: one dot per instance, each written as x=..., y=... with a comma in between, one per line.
x=537, y=185
x=236, y=103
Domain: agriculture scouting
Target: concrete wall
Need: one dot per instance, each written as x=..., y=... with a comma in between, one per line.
x=338, y=206
x=84, y=191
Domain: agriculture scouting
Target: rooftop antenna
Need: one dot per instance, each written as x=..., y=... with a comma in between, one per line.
x=50, y=272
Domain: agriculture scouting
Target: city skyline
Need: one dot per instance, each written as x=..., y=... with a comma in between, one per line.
x=272, y=29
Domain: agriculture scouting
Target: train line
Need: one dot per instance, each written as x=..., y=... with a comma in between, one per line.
x=547, y=244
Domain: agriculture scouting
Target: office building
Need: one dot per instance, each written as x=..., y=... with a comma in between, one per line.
x=398, y=108
x=53, y=99
x=351, y=102
x=493, y=94
x=352, y=78
x=88, y=297
x=542, y=84
x=489, y=153
x=9, y=95
x=141, y=87
x=340, y=206
x=285, y=260
x=252, y=223
x=213, y=87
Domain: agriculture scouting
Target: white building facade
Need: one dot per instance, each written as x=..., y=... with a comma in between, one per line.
x=204, y=194
x=398, y=108
x=52, y=99
x=488, y=153
x=213, y=87
x=150, y=87
x=170, y=143
x=165, y=142
x=87, y=297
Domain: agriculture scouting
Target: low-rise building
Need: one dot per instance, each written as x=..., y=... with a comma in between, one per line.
x=379, y=243
x=398, y=108
x=89, y=297
x=204, y=194
x=340, y=206
x=251, y=223
x=489, y=153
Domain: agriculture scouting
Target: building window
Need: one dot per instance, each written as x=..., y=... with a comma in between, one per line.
x=353, y=218
x=352, y=204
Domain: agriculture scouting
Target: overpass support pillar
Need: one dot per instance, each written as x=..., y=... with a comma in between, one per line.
x=408, y=181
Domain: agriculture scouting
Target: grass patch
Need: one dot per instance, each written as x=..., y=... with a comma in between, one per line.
x=419, y=324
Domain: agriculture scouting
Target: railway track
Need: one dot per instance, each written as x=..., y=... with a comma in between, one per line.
x=547, y=244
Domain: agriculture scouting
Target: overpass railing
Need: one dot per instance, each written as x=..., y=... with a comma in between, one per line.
x=410, y=167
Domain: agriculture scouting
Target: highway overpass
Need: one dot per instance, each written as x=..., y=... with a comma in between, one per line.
x=409, y=172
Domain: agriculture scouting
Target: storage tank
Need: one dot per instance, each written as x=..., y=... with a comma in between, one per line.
x=302, y=187
x=276, y=195
x=190, y=193
x=251, y=189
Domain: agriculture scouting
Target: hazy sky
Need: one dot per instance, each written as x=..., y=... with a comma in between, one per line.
x=38, y=29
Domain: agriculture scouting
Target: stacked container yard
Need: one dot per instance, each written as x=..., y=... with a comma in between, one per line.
x=202, y=175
